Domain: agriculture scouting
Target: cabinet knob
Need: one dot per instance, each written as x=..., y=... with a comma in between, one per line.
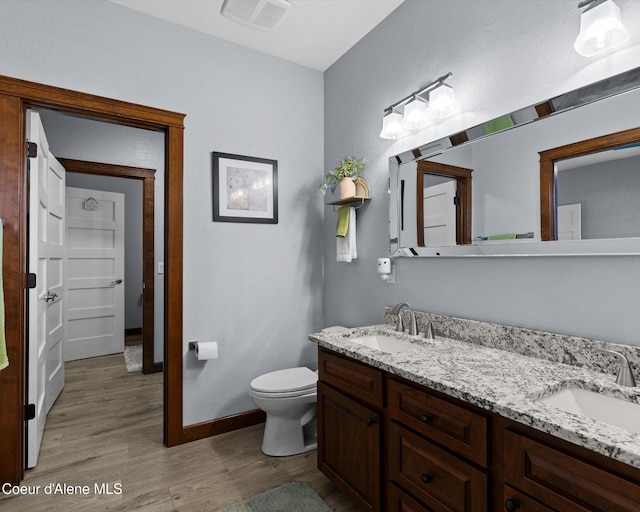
x=426, y=478
x=426, y=418
x=511, y=505
x=370, y=421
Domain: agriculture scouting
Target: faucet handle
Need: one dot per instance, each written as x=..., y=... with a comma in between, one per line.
x=428, y=333
x=413, y=327
x=399, y=324
x=625, y=375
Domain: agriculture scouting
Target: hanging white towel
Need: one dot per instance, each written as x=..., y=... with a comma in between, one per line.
x=346, y=245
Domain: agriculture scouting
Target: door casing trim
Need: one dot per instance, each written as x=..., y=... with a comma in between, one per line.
x=15, y=97
x=147, y=176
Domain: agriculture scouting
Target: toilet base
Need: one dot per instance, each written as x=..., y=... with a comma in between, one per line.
x=284, y=436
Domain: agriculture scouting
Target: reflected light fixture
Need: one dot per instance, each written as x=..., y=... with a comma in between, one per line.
x=601, y=28
x=436, y=100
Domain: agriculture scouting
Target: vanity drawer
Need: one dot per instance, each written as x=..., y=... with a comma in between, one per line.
x=564, y=482
x=356, y=379
x=520, y=502
x=442, y=481
x=399, y=501
x=455, y=427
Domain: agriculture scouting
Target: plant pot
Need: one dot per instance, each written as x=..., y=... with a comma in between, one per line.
x=347, y=188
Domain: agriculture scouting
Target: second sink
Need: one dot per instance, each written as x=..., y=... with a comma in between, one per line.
x=604, y=408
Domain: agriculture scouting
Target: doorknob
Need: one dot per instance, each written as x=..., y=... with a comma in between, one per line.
x=117, y=281
x=49, y=296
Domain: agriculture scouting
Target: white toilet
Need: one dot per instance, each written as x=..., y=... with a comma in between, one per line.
x=289, y=398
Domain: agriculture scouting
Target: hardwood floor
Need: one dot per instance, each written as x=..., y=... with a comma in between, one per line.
x=106, y=429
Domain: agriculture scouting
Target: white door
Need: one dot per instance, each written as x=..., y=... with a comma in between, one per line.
x=46, y=300
x=440, y=214
x=95, y=273
x=570, y=222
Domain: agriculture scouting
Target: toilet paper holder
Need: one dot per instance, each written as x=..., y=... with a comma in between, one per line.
x=192, y=345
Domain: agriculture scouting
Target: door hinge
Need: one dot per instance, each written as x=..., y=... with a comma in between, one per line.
x=31, y=280
x=29, y=411
x=32, y=150
x=456, y=200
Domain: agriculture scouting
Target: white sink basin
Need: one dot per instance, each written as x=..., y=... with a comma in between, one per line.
x=607, y=409
x=384, y=343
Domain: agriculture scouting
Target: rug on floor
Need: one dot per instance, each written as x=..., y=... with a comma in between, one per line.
x=133, y=358
x=291, y=497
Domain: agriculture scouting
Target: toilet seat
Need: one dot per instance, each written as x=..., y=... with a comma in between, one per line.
x=285, y=394
x=285, y=383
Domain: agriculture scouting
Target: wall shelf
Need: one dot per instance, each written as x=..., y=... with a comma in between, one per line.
x=349, y=201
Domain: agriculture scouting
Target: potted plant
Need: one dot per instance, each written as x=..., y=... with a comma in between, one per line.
x=344, y=176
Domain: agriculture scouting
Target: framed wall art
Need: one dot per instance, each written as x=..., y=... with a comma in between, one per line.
x=245, y=189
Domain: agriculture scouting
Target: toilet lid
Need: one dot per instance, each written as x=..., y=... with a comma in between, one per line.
x=291, y=379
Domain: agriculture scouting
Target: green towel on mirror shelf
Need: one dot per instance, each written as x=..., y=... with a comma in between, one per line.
x=343, y=221
x=503, y=236
x=4, y=360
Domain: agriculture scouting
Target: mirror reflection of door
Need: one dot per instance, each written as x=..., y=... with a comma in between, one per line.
x=439, y=205
x=570, y=222
x=443, y=204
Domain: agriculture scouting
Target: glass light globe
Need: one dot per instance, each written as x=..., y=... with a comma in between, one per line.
x=415, y=115
x=601, y=29
x=442, y=102
x=392, y=127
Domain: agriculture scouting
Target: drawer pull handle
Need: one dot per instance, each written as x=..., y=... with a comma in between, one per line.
x=426, y=418
x=426, y=478
x=370, y=421
x=511, y=505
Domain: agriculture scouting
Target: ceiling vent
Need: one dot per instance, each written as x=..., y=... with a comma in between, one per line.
x=261, y=14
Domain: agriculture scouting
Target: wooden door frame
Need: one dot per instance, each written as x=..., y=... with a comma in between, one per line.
x=15, y=97
x=147, y=176
x=548, y=161
x=463, y=178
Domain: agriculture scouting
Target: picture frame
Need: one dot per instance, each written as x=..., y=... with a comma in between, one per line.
x=245, y=189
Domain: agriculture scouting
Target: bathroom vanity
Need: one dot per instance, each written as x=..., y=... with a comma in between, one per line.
x=459, y=426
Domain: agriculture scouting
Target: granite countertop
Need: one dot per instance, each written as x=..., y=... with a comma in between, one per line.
x=500, y=381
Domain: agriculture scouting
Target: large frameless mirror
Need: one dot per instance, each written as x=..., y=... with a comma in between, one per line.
x=559, y=177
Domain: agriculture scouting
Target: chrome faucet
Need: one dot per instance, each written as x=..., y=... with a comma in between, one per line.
x=625, y=375
x=413, y=328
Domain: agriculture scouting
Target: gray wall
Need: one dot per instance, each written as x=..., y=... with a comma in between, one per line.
x=608, y=193
x=132, y=190
x=255, y=288
x=503, y=56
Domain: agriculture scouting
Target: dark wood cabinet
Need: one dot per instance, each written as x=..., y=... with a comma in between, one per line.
x=350, y=433
x=565, y=481
x=391, y=444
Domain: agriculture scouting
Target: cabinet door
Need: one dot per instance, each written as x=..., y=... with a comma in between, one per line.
x=349, y=446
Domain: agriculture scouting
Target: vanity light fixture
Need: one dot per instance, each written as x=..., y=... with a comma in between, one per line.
x=392, y=125
x=436, y=100
x=601, y=28
x=442, y=102
x=415, y=114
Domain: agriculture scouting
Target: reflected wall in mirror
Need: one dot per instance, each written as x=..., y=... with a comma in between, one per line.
x=507, y=213
x=590, y=189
